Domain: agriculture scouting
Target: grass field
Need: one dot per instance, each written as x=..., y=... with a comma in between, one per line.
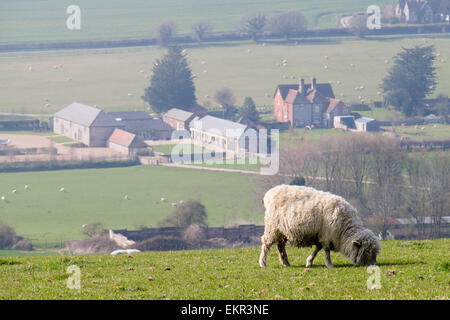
x=28, y=20
x=429, y=132
x=408, y=270
x=49, y=216
x=105, y=77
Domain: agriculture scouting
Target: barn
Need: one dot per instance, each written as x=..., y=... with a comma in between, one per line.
x=178, y=119
x=85, y=124
x=127, y=143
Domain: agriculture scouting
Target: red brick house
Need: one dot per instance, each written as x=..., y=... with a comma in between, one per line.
x=307, y=104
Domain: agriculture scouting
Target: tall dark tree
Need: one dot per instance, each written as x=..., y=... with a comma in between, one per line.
x=164, y=32
x=253, y=24
x=171, y=85
x=249, y=111
x=410, y=79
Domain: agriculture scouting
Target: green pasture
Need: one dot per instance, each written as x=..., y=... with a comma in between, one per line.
x=114, y=79
x=406, y=270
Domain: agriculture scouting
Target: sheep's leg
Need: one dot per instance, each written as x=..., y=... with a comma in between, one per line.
x=328, y=259
x=282, y=251
x=266, y=244
x=310, y=259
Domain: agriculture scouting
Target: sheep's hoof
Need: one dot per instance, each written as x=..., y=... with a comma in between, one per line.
x=330, y=265
x=308, y=264
x=262, y=264
x=285, y=263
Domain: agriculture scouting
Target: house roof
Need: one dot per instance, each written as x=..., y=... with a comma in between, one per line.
x=316, y=97
x=294, y=97
x=85, y=115
x=130, y=115
x=219, y=126
x=125, y=139
x=333, y=104
x=324, y=88
x=178, y=114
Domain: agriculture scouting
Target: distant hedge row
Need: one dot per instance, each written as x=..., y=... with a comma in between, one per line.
x=224, y=36
x=64, y=165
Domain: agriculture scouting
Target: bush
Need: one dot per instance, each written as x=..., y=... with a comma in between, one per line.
x=9, y=239
x=194, y=233
x=186, y=214
x=94, y=229
x=298, y=181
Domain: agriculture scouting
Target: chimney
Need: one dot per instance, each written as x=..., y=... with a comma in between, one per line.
x=301, y=85
x=313, y=83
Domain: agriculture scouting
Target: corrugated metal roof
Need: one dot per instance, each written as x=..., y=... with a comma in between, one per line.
x=130, y=115
x=179, y=114
x=220, y=126
x=364, y=119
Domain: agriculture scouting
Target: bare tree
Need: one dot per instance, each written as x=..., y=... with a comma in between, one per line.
x=253, y=24
x=358, y=25
x=288, y=23
x=200, y=28
x=164, y=32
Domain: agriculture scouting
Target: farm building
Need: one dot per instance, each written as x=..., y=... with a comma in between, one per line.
x=178, y=119
x=86, y=124
x=127, y=143
x=143, y=125
x=307, y=104
x=344, y=122
x=366, y=124
x=223, y=135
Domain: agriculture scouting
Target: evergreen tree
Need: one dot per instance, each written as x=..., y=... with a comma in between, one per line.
x=410, y=79
x=171, y=85
x=249, y=111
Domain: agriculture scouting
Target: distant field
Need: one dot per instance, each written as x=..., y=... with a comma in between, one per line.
x=407, y=270
x=423, y=133
x=105, y=77
x=45, y=20
x=45, y=214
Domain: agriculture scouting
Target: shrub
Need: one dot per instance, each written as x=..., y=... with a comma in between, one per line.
x=298, y=181
x=23, y=245
x=8, y=237
x=188, y=213
x=194, y=233
x=94, y=229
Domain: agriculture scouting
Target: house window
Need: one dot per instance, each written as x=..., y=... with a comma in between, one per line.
x=317, y=109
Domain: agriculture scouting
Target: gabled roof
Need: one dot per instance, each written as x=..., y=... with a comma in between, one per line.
x=324, y=88
x=294, y=97
x=333, y=104
x=178, y=114
x=219, y=126
x=130, y=115
x=125, y=139
x=150, y=124
x=85, y=115
x=316, y=97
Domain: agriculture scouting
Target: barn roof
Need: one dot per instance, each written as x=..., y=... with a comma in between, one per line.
x=179, y=114
x=125, y=139
x=85, y=115
x=220, y=126
x=130, y=115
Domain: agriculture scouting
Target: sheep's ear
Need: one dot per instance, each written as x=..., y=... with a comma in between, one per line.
x=357, y=243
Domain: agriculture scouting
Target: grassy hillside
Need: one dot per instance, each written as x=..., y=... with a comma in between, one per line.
x=408, y=270
x=45, y=214
x=45, y=20
x=106, y=77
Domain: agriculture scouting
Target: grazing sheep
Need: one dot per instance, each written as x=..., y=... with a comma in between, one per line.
x=126, y=197
x=181, y=201
x=3, y=198
x=62, y=189
x=423, y=128
x=14, y=191
x=163, y=199
x=306, y=217
x=27, y=187
x=174, y=204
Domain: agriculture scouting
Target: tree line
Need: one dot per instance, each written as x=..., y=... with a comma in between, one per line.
x=373, y=173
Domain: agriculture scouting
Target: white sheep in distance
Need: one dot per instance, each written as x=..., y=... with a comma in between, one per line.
x=27, y=187
x=14, y=191
x=126, y=197
x=62, y=189
x=3, y=198
x=306, y=217
x=174, y=204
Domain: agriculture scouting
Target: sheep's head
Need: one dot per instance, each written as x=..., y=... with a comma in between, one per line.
x=365, y=248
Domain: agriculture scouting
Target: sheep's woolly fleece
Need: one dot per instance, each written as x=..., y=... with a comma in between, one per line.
x=305, y=217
